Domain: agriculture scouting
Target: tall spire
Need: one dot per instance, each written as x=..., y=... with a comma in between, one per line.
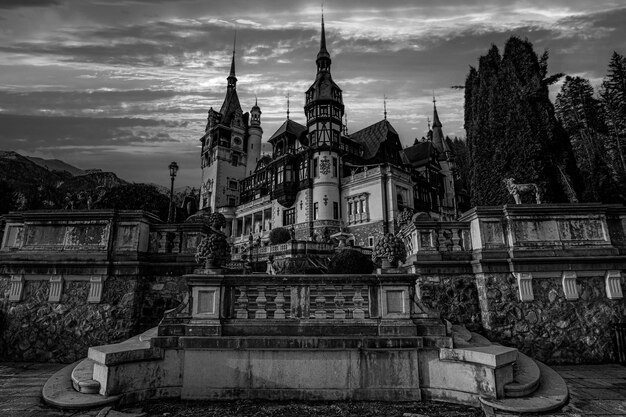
x=232, y=79
x=323, y=57
x=287, y=105
x=436, y=122
x=385, y=106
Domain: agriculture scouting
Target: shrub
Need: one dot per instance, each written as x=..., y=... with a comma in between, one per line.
x=279, y=235
x=350, y=261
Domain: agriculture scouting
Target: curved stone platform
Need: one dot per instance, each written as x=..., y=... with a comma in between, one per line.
x=551, y=395
x=59, y=392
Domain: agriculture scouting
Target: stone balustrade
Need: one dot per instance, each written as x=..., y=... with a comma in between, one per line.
x=298, y=305
x=428, y=238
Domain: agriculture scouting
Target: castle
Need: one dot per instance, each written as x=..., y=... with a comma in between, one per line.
x=319, y=180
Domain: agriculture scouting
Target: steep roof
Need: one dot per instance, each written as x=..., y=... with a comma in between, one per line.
x=230, y=106
x=372, y=136
x=290, y=127
x=420, y=153
x=439, y=141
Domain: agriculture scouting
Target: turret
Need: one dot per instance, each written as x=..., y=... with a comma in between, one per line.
x=324, y=112
x=254, y=140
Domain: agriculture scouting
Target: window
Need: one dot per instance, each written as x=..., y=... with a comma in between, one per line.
x=232, y=184
x=315, y=168
x=234, y=159
x=280, y=174
x=370, y=241
x=315, y=211
x=335, y=210
x=358, y=209
x=232, y=201
x=289, y=216
x=303, y=169
x=334, y=167
x=402, y=197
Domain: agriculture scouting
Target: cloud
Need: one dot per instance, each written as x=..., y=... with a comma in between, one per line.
x=13, y=4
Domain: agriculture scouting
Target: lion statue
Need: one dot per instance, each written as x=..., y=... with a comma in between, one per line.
x=516, y=189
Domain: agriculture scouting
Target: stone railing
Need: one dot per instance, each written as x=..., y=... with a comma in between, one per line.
x=431, y=237
x=361, y=173
x=290, y=249
x=547, y=229
x=298, y=305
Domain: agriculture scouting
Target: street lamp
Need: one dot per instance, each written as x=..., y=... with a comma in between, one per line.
x=173, y=171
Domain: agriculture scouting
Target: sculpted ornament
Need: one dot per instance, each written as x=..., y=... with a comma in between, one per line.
x=325, y=166
x=516, y=189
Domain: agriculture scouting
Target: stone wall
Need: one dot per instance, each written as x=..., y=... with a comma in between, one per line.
x=362, y=232
x=37, y=330
x=158, y=294
x=551, y=328
x=455, y=297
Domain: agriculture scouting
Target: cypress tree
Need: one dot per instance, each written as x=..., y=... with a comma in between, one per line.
x=512, y=129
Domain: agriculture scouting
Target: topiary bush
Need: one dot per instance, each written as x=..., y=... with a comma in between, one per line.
x=389, y=248
x=279, y=235
x=213, y=250
x=350, y=261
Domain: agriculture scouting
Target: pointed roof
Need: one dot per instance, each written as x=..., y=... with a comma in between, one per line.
x=372, y=137
x=230, y=106
x=419, y=154
x=289, y=126
x=323, y=53
x=439, y=140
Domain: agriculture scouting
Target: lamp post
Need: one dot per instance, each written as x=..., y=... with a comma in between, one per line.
x=173, y=171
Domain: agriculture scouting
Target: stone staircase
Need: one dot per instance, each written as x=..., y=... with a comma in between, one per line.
x=536, y=388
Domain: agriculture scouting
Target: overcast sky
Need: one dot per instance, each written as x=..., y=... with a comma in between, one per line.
x=125, y=85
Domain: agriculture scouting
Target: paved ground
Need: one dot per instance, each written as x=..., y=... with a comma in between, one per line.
x=595, y=390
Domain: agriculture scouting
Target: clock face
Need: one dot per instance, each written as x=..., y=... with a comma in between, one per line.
x=237, y=141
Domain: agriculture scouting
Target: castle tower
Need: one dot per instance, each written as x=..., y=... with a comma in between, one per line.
x=324, y=111
x=224, y=149
x=255, y=133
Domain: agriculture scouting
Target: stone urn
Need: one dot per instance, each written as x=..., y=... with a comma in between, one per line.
x=389, y=251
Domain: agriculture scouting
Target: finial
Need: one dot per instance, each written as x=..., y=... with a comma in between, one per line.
x=256, y=101
x=287, y=105
x=385, y=106
x=428, y=118
x=434, y=99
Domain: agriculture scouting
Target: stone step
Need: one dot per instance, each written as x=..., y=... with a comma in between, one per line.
x=551, y=395
x=82, y=378
x=59, y=392
x=526, y=377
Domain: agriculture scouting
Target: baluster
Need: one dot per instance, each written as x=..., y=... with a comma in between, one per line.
x=261, y=301
x=242, y=303
x=320, y=303
x=441, y=240
x=279, y=300
x=358, y=300
x=456, y=240
x=339, y=313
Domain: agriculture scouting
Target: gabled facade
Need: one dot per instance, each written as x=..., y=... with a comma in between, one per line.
x=318, y=180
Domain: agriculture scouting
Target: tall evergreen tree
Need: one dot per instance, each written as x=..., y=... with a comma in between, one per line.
x=613, y=95
x=512, y=130
x=582, y=116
